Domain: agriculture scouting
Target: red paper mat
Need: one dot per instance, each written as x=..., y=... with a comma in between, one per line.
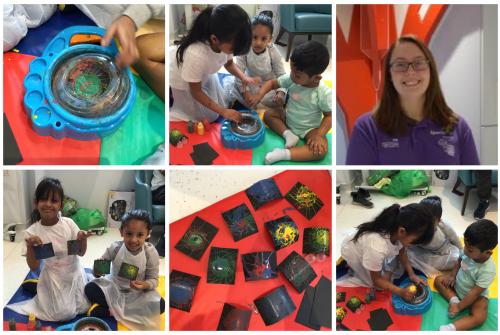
x=359, y=320
x=181, y=156
x=210, y=298
x=34, y=148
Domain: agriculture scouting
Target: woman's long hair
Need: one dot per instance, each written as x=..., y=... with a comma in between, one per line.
x=389, y=115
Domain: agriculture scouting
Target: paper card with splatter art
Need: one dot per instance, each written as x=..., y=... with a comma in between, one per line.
x=260, y=265
x=102, y=267
x=297, y=271
x=316, y=241
x=275, y=305
x=128, y=271
x=234, y=318
x=240, y=222
x=74, y=247
x=182, y=289
x=43, y=251
x=197, y=238
x=263, y=192
x=222, y=265
x=283, y=231
x=304, y=200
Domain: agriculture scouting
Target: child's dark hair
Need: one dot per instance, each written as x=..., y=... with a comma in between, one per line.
x=414, y=218
x=434, y=204
x=136, y=214
x=48, y=187
x=229, y=23
x=264, y=18
x=482, y=234
x=311, y=58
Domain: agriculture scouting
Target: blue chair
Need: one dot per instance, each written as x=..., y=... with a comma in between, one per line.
x=303, y=20
x=144, y=200
x=468, y=179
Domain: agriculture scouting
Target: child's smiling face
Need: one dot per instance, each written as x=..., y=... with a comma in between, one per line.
x=261, y=37
x=49, y=208
x=134, y=234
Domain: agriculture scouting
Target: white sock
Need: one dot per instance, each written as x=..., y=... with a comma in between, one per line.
x=277, y=155
x=453, y=300
x=450, y=327
x=290, y=138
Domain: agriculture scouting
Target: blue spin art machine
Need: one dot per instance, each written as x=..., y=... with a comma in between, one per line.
x=75, y=89
x=420, y=303
x=247, y=134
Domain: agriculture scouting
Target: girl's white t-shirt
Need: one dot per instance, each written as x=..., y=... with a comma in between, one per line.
x=199, y=62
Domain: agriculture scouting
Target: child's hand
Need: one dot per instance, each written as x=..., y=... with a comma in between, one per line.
x=406, y=294
x=83, y=235
x=139, y=284
x=449, y=281
x=279, y=98
x=232, y=115
x=250, y=81
x=123, y=29
x=317, y=144
x=252, y=100
x=33, y=241
x=418, y=280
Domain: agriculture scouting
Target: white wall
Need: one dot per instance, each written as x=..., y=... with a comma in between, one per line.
x=90, y=188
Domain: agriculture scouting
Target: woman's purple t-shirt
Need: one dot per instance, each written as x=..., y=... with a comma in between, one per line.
x=425, y=144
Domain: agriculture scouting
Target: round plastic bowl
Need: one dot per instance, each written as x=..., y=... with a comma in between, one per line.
x=420, y=304
x=247, y=134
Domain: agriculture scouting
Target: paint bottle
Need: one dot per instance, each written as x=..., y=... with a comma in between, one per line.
x=190, y=127
x=31, y=321
x=12, y=324
x=200, y=128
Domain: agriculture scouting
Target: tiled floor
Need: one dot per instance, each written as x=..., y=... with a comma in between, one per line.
x=350, y=215
x=191, y=191
x=16, y=268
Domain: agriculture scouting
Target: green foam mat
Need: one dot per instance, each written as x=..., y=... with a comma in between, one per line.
x=273, y=141
x=438, y=314
x=141, y=132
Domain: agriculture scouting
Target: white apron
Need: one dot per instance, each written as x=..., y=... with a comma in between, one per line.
x=136, y=309
x=60, y=290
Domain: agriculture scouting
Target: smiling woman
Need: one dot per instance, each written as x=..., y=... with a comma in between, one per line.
x=412, y=124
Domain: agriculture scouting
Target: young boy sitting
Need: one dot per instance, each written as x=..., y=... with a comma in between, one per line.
x=308, y=108
x=468, y=285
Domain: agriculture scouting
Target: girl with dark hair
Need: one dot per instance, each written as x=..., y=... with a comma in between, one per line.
x=443, y=251
x=216, y=35
x=374, y=245
x=60, y=288
x=263, y=61
x=412, y=124
x=132, y=301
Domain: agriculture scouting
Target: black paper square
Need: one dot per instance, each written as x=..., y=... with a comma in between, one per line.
x=102, y=267
x=44, y=251
x=283, y=231
x=203, y=154
x=260, y=265
x=182, y=289
x=304, y=313
x=297, y=271
x=240, y=222
x=234, y=318
x=380, y=319
x=128, y=271
x=304, y=200
x=73, y=247
x=222, y=265
x=275, y=305
x=263, y=192
x=322, y=305
x=197, y=238
x=316, y=241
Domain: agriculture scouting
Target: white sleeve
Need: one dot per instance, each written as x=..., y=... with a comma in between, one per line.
x=192, y=67
x=277, y=62
x=450, y=233
x=140, y=14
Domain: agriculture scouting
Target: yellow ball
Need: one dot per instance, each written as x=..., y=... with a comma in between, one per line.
x=412, y=288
